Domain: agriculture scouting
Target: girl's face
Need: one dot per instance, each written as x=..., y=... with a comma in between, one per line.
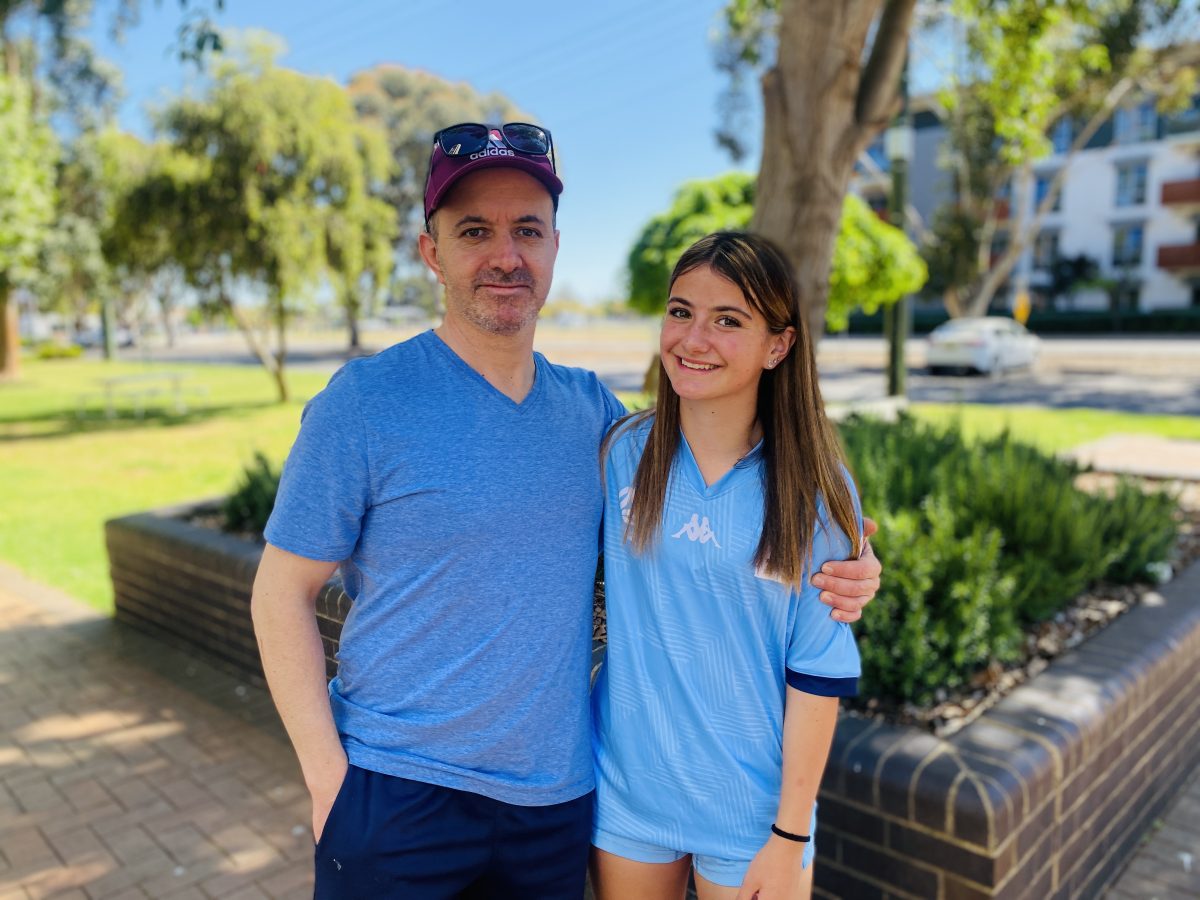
x=714, y=346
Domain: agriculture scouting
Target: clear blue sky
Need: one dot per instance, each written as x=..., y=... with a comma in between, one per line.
x=627, y=87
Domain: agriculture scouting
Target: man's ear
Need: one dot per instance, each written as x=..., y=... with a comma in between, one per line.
x=428, y=249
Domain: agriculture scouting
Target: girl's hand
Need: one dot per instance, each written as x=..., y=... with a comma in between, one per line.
x=776, y=871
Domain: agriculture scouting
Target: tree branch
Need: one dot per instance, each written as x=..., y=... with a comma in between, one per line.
x=877, y=89
x=1023, y=232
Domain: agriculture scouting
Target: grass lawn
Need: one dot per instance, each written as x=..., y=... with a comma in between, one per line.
x=1055, y=430
x=61, y=476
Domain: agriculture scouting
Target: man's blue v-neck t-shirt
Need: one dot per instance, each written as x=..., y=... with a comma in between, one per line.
x=467, y=528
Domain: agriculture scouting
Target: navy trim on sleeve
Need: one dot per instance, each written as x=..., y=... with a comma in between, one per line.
x=822, y=686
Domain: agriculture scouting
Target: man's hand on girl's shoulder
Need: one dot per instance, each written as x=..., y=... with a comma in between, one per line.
x=848, y=585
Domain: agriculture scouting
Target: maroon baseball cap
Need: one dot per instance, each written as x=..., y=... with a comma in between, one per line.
x=495, y=151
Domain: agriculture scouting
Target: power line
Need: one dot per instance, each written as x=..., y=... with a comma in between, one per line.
x=587, y=36
x=652, y=33
x=322, y=18
x=330, y=43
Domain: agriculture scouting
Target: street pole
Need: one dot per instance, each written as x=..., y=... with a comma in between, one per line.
x=108, y=328
x=899, y=146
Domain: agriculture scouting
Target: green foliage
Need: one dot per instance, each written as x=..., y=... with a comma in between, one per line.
x=1140, y=527
x=1031, y=498
x=946, y=609
x=72, y=274
x=280, y=163
x=27, y=154
x=1029, y=66
x=698, y=208
x=873, y=263
x=53, y=350
x=978, y=539
x=271, y=178
x=249, y=506
x=951, y=250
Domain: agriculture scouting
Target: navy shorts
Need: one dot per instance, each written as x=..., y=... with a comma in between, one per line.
x=389, y=837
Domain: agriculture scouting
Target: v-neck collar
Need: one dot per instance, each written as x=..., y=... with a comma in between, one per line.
x=686, y=462
x=484, y=386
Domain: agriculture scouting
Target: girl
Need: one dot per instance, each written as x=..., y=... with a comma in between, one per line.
x=714, y=711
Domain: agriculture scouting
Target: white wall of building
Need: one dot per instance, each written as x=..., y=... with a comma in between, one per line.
x=1088, y=209
x=1089, y=213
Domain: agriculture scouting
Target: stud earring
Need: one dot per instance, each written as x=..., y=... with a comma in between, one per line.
x=771, y=363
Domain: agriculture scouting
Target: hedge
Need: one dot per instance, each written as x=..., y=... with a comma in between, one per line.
x=980, y=540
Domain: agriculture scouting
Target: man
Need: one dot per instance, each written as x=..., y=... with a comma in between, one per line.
x=455, y=479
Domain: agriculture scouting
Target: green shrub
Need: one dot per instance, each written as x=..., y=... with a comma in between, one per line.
x=1030, y=497
x=52, y=350
x=980, y=539
x=250, y=504
x=945, y=608
x=1140, y=526
x=896, y=463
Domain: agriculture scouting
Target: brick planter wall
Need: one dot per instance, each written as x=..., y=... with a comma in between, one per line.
x=1044, y=796
x=190, y=586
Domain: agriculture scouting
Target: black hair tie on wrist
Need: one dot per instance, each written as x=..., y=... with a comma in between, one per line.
x=798, y=838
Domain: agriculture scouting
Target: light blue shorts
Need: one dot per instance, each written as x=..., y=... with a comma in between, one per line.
x=723, y=872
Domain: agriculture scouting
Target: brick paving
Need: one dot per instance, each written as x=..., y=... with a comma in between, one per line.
x=129, y=771
x=1167, y=867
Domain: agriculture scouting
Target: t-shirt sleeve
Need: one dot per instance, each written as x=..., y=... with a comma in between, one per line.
x=324, y=491
x=615, y=407
x=822, y=656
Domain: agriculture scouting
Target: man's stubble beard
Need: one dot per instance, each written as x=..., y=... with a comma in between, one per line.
x=486, y=312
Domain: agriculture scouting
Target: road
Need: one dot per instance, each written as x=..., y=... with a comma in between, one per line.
x=1145, y=375
x=1136, y=374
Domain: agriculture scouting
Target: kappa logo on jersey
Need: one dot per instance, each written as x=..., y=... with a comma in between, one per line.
x=698, y=529
x=625, y=498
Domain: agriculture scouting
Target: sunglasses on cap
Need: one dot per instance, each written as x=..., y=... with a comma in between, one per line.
x=471, y=137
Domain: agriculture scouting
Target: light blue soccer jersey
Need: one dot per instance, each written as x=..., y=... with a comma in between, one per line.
x=688, y=707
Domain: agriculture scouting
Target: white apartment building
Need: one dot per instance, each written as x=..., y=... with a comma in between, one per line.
x=1130, y=201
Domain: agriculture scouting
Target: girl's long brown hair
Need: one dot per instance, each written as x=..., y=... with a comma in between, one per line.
x=802, y=456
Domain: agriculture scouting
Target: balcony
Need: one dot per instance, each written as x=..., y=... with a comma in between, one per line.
x=1181, y=260
x=1182, y=196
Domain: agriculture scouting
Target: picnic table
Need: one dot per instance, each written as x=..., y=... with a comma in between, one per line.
x=143, y=389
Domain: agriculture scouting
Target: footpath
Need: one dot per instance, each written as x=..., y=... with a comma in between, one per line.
x=130, y=771
x=1167, y=867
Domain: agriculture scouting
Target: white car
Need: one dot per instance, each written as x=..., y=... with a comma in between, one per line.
x=987, y=345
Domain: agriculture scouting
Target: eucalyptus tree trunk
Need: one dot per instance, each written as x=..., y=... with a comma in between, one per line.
x=10, y=339
x=1024, y=229
x=822, y=106
x=272, y=362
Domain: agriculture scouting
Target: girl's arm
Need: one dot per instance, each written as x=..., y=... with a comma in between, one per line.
x=808, y=724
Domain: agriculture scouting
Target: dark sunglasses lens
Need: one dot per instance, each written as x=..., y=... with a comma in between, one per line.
x=459, y=139
x=527, y=139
